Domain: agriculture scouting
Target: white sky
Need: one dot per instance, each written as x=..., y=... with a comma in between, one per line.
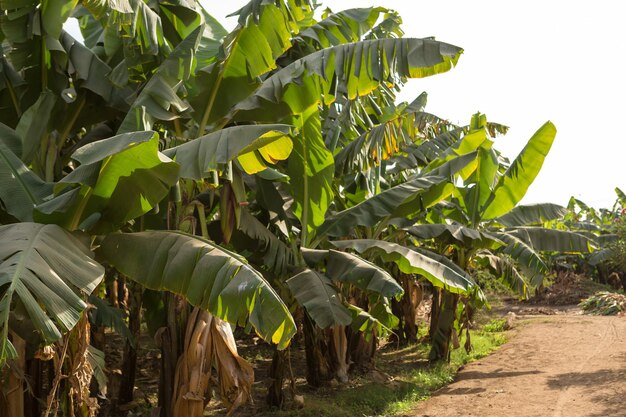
x=526, y=63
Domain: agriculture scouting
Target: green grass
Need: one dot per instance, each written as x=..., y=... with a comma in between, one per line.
x=413, y=381
x=495, y=325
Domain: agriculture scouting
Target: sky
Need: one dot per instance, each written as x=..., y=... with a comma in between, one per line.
x=525, y=63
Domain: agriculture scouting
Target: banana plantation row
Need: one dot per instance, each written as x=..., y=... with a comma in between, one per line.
x=240, y=179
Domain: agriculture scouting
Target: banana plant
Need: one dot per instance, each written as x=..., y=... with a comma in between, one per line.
x=99, y=182
x=298, y=94
x=483, y=222
x=604, y=227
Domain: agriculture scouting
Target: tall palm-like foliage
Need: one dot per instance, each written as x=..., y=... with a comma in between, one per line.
x=245, y=174
x=164, y=73
x=483, y=224
x=74, y=172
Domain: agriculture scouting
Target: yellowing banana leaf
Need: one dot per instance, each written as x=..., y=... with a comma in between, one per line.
x=250, y=144
x=352, y=70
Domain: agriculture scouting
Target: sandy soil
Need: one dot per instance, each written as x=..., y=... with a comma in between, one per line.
x=556, y=366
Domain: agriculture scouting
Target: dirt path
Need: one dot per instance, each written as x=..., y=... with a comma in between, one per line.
x=555, y=366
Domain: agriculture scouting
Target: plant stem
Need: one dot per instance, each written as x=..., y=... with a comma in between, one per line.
x=75, y=222
x=214, y=90
x=57, y=380
x=16, y=104
x=68, y=127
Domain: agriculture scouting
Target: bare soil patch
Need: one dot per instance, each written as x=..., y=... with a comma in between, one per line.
x=557, y=365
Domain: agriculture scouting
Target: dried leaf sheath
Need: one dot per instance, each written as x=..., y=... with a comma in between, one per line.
x=209, y=342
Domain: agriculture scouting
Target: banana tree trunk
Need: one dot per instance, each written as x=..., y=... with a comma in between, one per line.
x=171, y=344
x=406, y=308
x=318, y=369
x=72, y=375
x=338, y=350
x=440, y=349
x=275, y=394
x=362, y=349
x=34, y=371
x=434, y=313
x=129, y=365
x=12, y=393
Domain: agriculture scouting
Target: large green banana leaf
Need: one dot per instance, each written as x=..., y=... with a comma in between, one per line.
x=343, y=27
x=455, y=234
x=468, y=144
x=207, y=275
x=20, y=189
x=119, y=179
x=34, y=124
x=504, y=268
x=512, y=186
x=532, y=214
x=255, y=238
x=552, y=240
x=351, y=70
x=311, y=168
x=320, y=298
x=211, y=152
x=264, y=33
x=382, y=141
x=160, y=98
x=403, y=200
x=44, y=271
x=522, y=252
x=483, y=179
x=410, y=261
x=372, y=210
x=352, y=269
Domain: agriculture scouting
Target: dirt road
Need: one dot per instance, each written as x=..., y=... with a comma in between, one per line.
x=554, y=366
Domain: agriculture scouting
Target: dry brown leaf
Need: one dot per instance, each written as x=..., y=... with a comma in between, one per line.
x=209, y=343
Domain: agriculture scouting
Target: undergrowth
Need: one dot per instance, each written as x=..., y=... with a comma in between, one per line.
x=414, y=380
